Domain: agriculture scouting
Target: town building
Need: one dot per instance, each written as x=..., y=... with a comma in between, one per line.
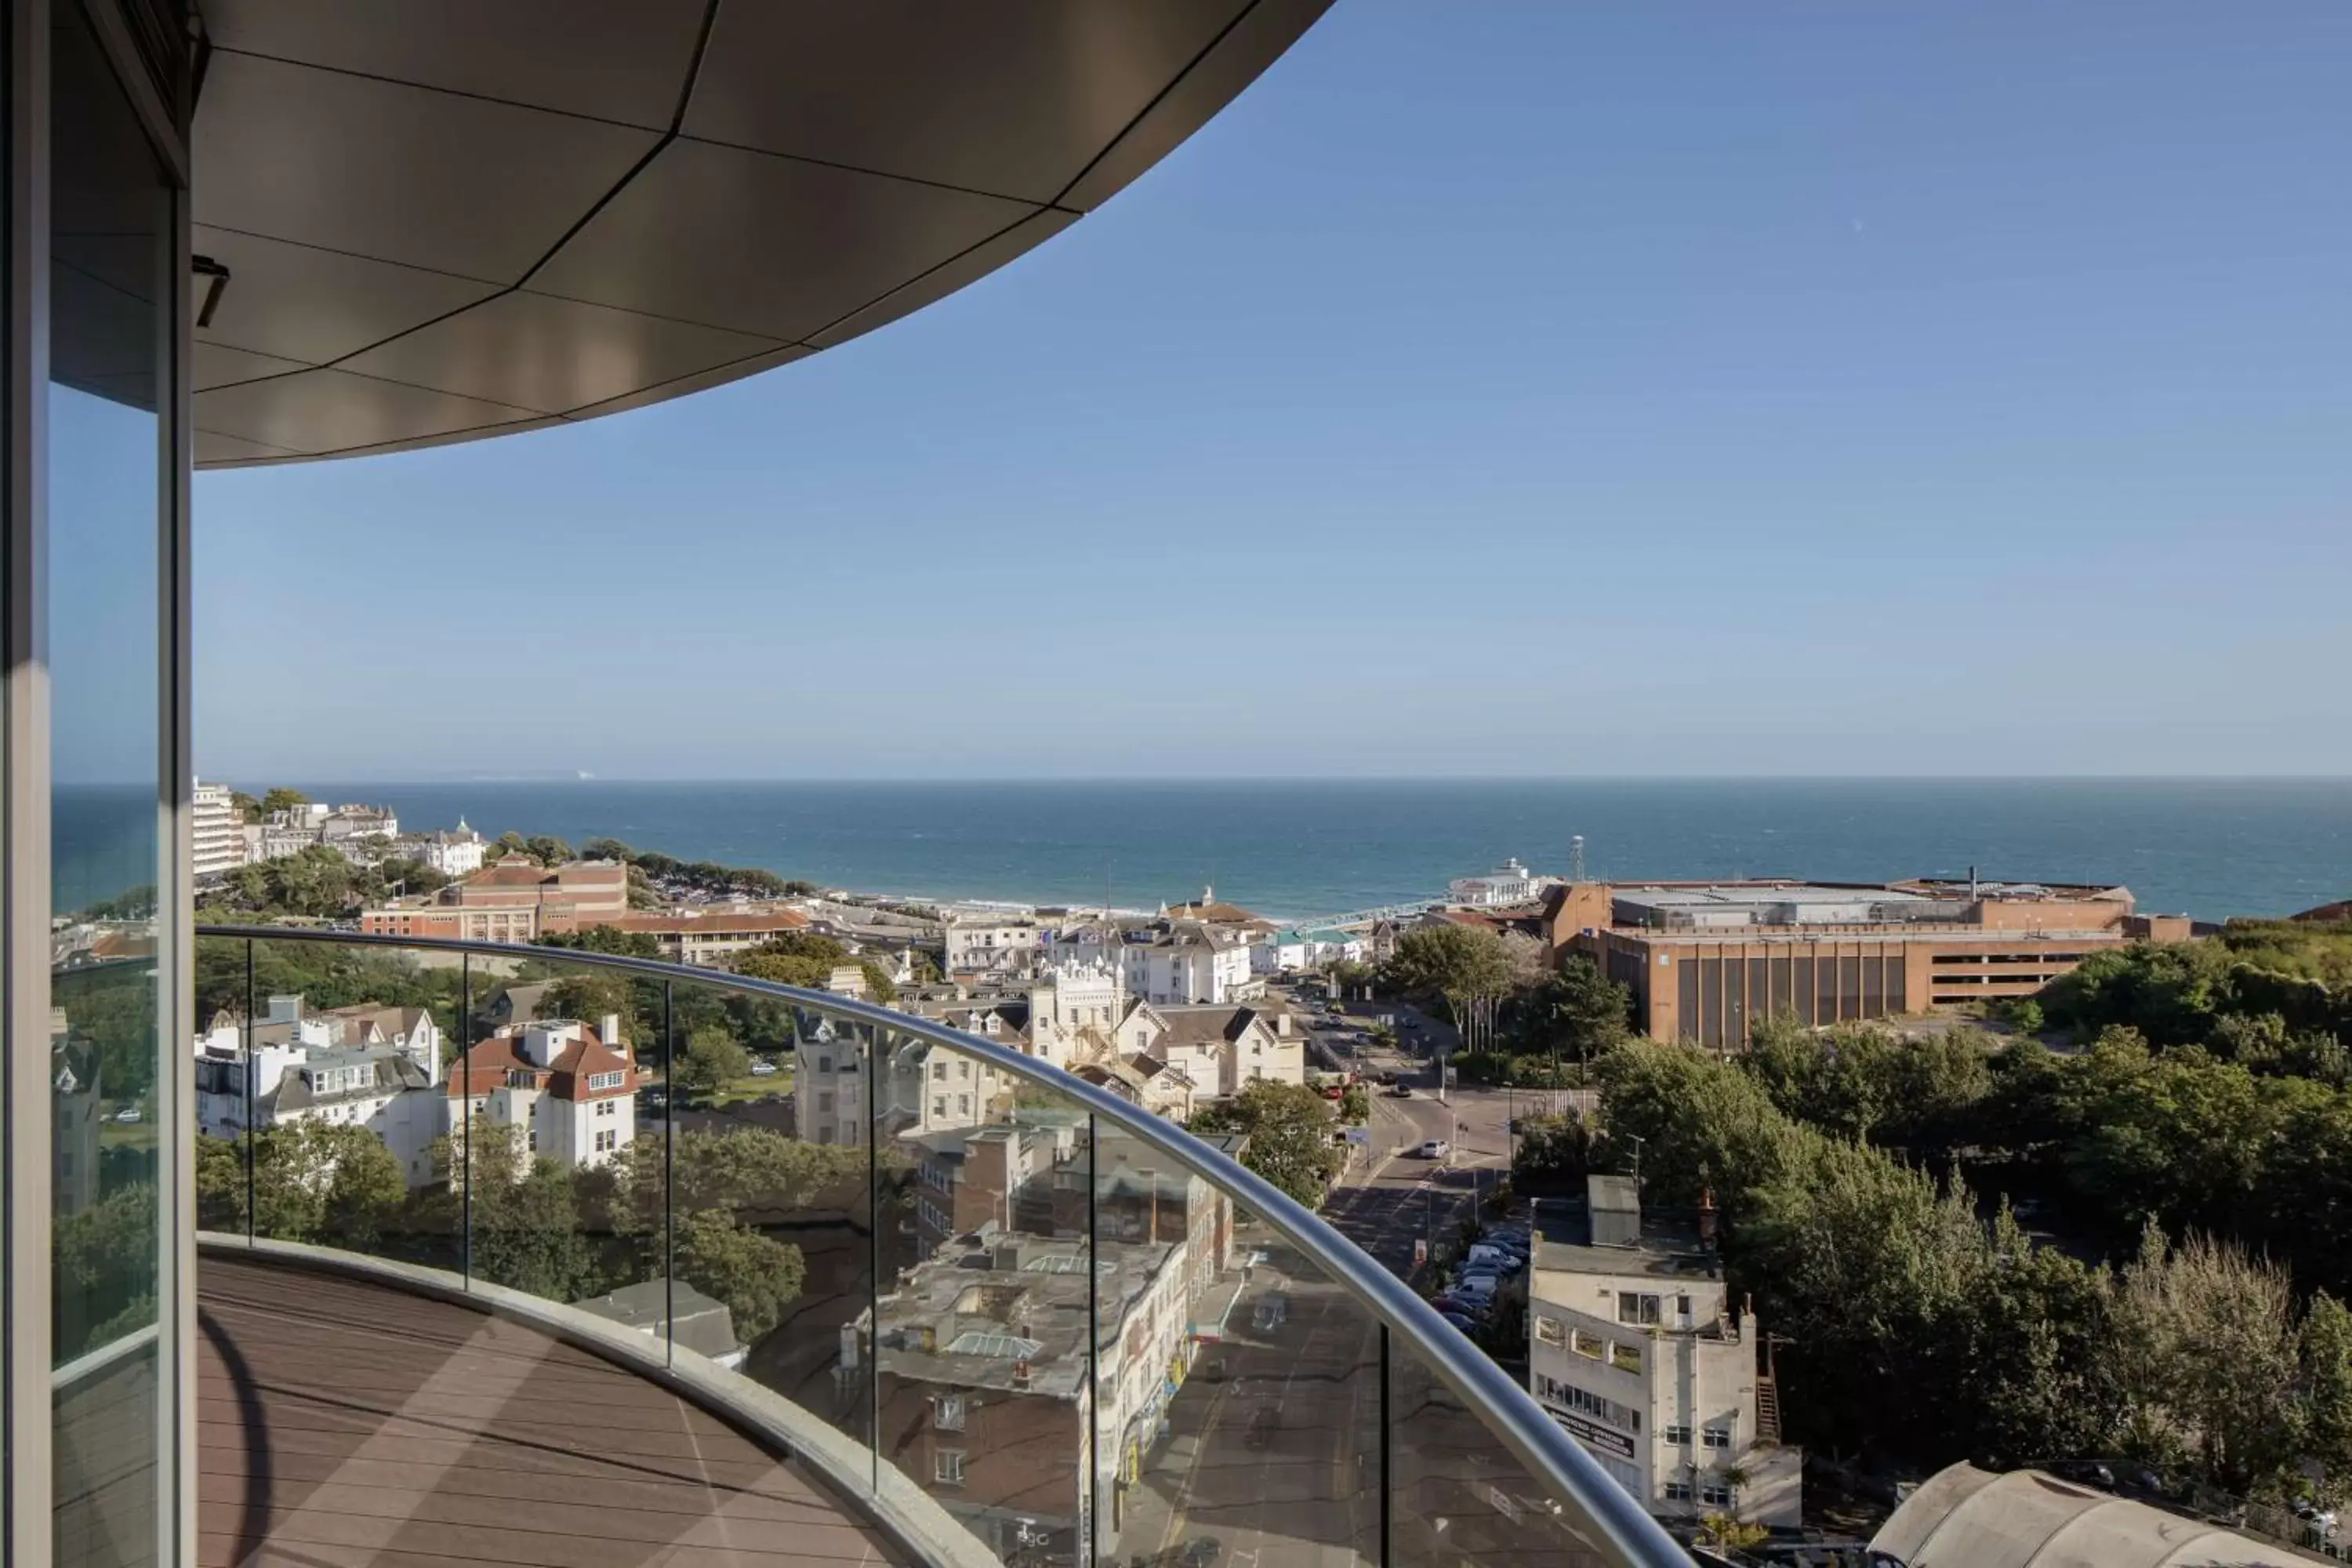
x=516, y=900
x=1706, y=959
x=1167, y=960
x=983, y=1389
x=1071, y=1011
x=1636, y=1349
x=1220, y=1050
x=367, y=1066
x=218, y=829
x=989, y=946
x=1511, y=883
x=969, y=1178
x=453, y=852
x=691, y=936
x=571, y=1090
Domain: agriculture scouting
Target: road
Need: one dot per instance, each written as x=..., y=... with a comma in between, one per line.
x=1308, y=1494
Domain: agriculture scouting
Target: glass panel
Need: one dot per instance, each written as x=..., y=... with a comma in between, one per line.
x=1459, y=1496
x=987, y=1322
x=336, y=1066
x=109, y=265
x=773, y=1209
x=222, y=1116
x=1239, y=1401
x=561, y=1191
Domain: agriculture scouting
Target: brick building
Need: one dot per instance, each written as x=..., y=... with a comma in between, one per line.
x=1706, y=959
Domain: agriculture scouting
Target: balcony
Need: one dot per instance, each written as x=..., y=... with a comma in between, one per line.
x=569, y=1328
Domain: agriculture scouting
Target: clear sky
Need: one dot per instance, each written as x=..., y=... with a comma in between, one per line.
x=1537, y=388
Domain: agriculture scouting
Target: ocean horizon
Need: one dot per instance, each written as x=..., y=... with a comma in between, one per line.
x=1294, y=848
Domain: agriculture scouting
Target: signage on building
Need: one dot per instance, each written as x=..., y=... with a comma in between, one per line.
x=1592, y=1435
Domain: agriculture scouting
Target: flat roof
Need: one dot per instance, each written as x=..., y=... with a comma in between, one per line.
x=1738, y=895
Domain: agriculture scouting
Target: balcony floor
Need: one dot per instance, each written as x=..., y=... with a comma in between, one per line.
x=345, y=1425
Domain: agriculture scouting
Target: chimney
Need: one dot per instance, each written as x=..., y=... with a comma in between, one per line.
x=1706, y=1219
x=610, y=1032
x=1973, y=884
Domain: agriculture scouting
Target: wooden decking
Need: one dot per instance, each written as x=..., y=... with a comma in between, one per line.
x=344, y=1425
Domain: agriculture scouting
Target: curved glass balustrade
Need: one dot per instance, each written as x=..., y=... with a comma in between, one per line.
x=1038, y=1322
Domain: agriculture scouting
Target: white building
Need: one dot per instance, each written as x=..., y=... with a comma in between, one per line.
x=452, y=851
x=829, y=1101
x=1634, y=1348
x=989, y=946
x=357, y=822
x=377, y=1067
x=1180, y=962
x=572, y=1092
x=1220, y=1050
x=219, y=829
x=1510, y=883
x=1072, y=1010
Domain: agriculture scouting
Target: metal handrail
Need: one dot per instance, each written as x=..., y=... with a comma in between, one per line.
x=1616, y=1526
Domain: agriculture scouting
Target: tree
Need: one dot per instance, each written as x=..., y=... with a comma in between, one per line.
x=2207, y=1343
x=803, y=944
x=413, y=876
x=590, y=995
x=2326, y=1354
x=330, y=1183
x=1289, y=1131
x=603, y=938
x=713, y=1058
x=1356, y=1104
x=547, y=849
x=248, y=809
x=1554, y=1154
x=879, y=987
x=756, y=1277
x=784, y=969
x=283, y=799
x=1576, y=1011
x=1464, y=965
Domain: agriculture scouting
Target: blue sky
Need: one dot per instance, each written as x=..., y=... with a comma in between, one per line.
x=1541, y=389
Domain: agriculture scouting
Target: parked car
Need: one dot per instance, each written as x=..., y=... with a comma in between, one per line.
x=1436, y=1149
x=1272, y=1313
x=1501, y=1258
x=1467, y=1325
x=1460, y=1306
x=1202, y=1551
x=128, y=1113
x=763, y=1069
x=1477, y=1287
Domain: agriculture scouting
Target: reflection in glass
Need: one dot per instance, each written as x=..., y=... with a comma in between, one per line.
x=991, y=1312
x=109, y=264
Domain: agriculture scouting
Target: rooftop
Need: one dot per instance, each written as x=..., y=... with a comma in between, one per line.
x=1009, y=1310
x=1605, y=1232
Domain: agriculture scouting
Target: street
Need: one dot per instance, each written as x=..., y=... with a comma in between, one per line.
x=1272, y=1444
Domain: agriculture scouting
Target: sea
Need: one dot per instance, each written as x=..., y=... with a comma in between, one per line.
x=1297, y=849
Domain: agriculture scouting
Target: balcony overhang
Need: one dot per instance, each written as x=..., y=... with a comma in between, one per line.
x=424, y=221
